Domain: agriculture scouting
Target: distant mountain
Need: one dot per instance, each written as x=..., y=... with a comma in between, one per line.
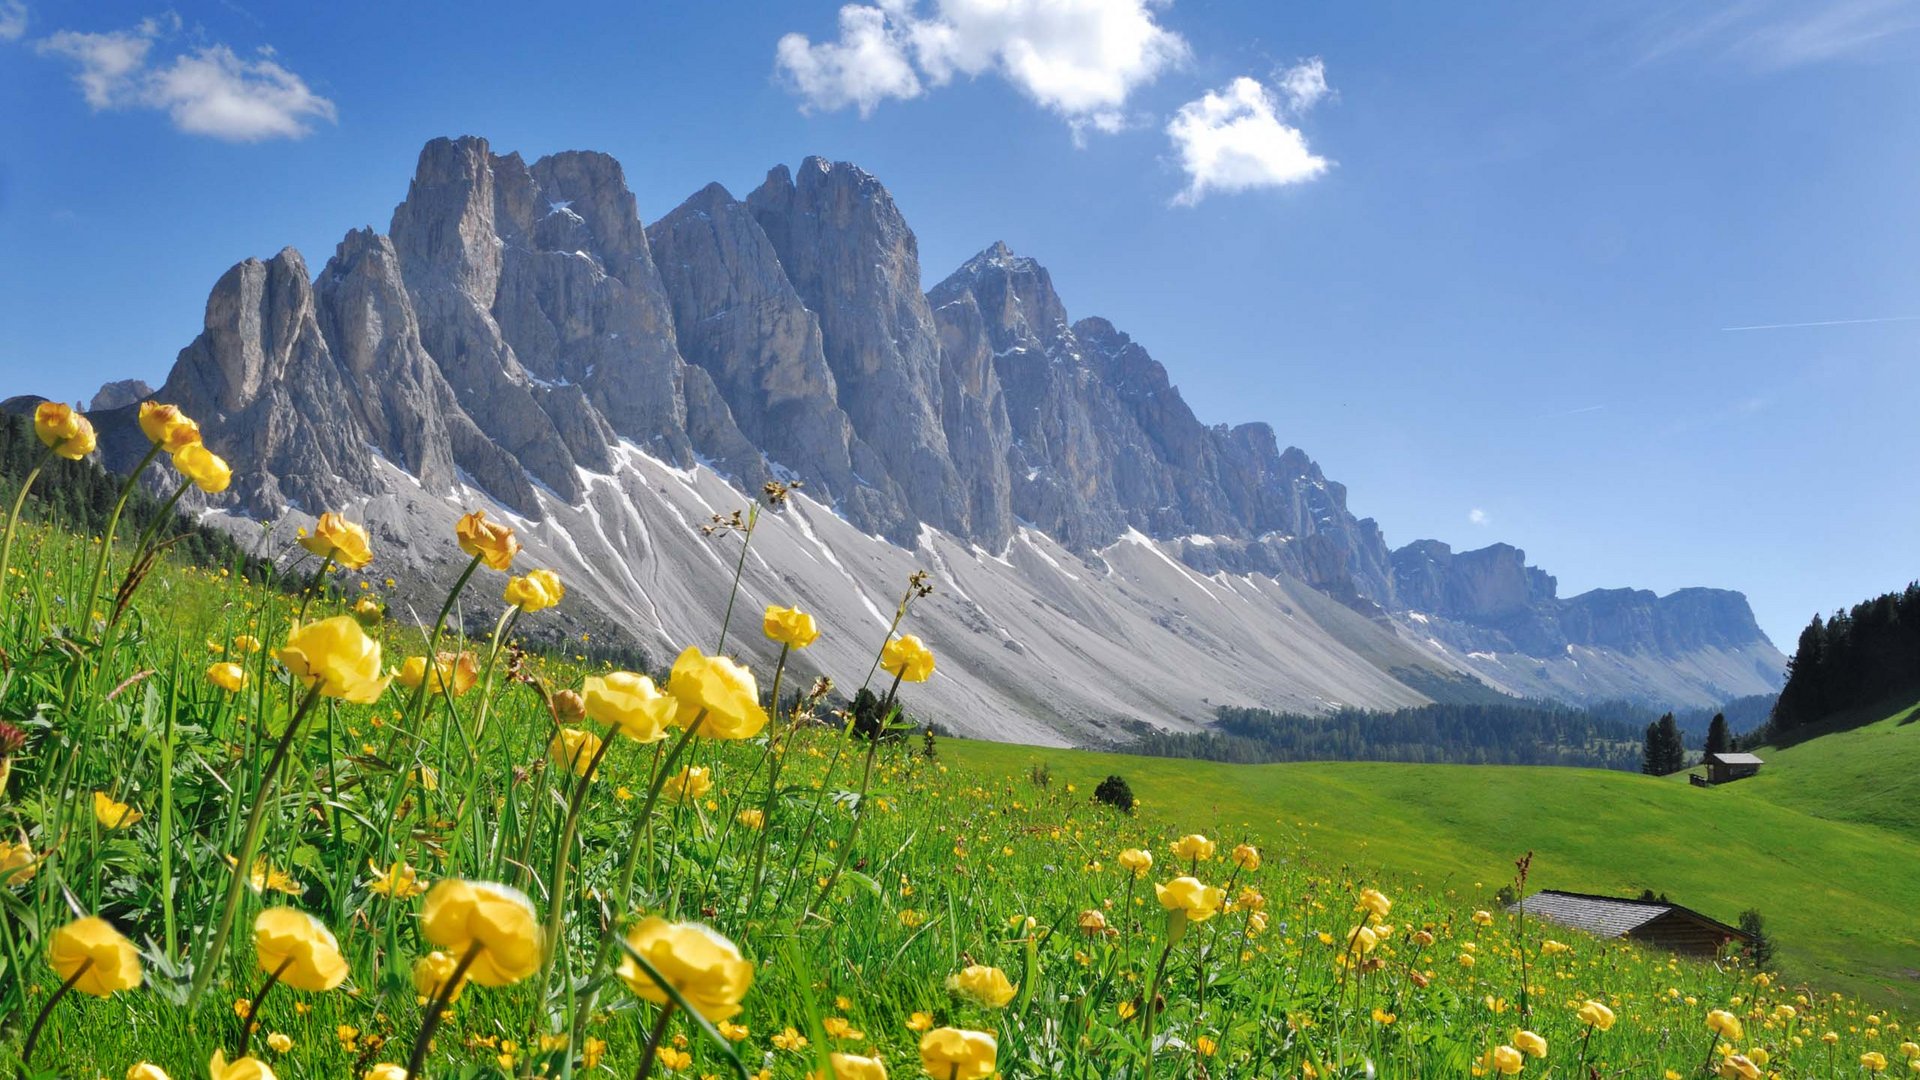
x=518, y=339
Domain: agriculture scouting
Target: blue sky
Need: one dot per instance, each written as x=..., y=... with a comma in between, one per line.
x=1480, y=260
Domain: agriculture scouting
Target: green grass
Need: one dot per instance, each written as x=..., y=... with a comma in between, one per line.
x=1868, y=775
x=1838, y=895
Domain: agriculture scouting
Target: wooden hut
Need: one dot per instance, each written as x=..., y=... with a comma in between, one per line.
x=1725, y=768
x=1655, y=923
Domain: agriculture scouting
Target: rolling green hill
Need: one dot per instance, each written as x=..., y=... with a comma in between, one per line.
x=1837, y=878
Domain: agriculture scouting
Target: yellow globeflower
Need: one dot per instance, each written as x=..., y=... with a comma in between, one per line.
x=704, y=967
x=457, y=672
x=227, y=676
x=631, y=703
x=749, y=818
x=208, y=470
x=988, y=986
x=851, y=1067
x=958, y=1054
x=722, y=689
x=246, y=1068
x=431, y=972
x=146, y=1070
x=338, y=657
x=18, y=864
x=790, y=626
x=1910, y=1050
x=1725, y=1024
x=1375, y=901
x=1596, y=1014
x=1135, y=861
x=166, y=426
x=1092, y=922
x=1533, y=1044
x=537, y=590
x=1193, y=847
x=1246, y=857
x=1483, y=918
x=399, y=880
x=300, y=948
x=688, y=785
x=1873, y=1061
x=907, y=657
x=1188, y=896
x=574, y=749
x=1739, y=1067
x=1505, y=1060
x=1361, y=941
x=92, y=954
x=63, y=430
x=111, y=814
x=460, y=916
x=386, y=1071
x=491, y=543
x=341, y=540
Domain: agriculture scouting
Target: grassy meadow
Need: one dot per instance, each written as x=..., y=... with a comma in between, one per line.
x=293, y=866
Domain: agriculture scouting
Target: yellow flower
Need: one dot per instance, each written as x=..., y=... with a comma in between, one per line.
x=752, y=818
x=1739, y=1067
x=789, y=1040
x=457, y=672
x=398, y=880
x=1597, y=1015
x=688, y=784
x=1092, y=922
x=92, y=954
x=957, y=1054
x=1194, y=847
x=246, y=1068
x=790, y=626
x=341, y=540
x=111, y=814
x=300, y=948
x=851, y=1067
x=18, y=864
x=1533, y=1044
x=908, y=658
x=431, y=972
x=535, y=591
x=459, y=916
x=64, y=431
x=227, y=676
x=491, y=543
x=279, y=1042
x=1187, y=895
x=337, y=657
x=839, y=1027
x=574, y=748
x=731, y=1031
x=368, y=610
x=1725, y=1023
x=672, y=1059
x=1136, y=861
x=919, y=1021
x=264, y=875
x=630, y=703
x=1505, y=1060
x=1910, y=1050
x=146, y=1070
x=1375, y=901
x=208, y=470
x=722, y=689
x=166, y=426
x=1206, y=1045
x=1483, y=918
x=1246, y=857
x=986, y=985
x=704, y=967
x=1873, y=1061
x=388, y=1071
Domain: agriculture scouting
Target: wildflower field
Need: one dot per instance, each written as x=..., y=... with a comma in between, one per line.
x=255, y=829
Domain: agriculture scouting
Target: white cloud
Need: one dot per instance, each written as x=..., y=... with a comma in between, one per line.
x=1305, y=84
x=1234, y=139
x=13, y=20
x=1477, y=516
x=1772, y=35
x=209, y=90
x=1082, y=59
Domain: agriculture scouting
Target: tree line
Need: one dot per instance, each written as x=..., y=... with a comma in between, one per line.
x=1853, y=660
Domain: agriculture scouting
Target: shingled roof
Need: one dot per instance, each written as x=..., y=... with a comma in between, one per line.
x=1615, y=917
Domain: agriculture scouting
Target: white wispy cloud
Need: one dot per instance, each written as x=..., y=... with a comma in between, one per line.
x=13, y=20
x=1237, y=138
x=1081, y=59
x=206, y=90
x=1778, y=34
x=1477, y=516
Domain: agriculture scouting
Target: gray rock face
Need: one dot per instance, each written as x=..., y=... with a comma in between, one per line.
x=120, y=393
x=521, y=338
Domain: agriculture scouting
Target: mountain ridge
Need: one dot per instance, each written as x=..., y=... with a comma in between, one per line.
x=520, y=337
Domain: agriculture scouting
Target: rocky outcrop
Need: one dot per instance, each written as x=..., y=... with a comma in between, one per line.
x=519, y=336
x=119, y=393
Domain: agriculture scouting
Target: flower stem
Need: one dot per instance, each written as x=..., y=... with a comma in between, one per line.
x=40, y=1021
x=13, y=518
x=438, y=1008
x=113, y=526
x=739, y=567
x=653, y=1042
x=252, y=1019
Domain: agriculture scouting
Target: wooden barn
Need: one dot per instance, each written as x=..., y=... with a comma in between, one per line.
x=1655, y=923
x=1725, y=768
